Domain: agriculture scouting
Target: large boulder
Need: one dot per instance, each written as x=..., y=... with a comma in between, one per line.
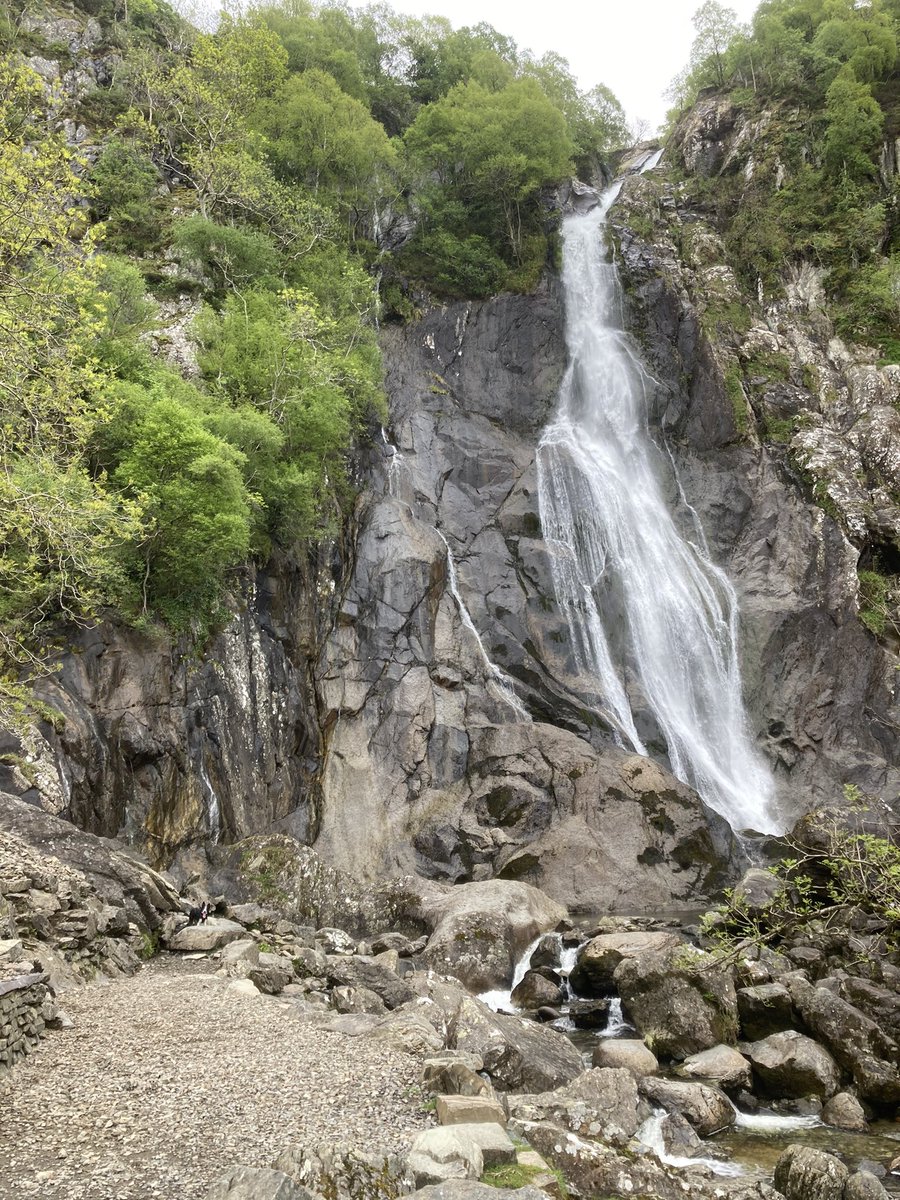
x=792, y=1065
x=844, y=1111
x=256, y=1183
x=855, y=1041
x=722, y=1065
x=706, y=1108
x=481, y=930
x=764, y=1009
x=519, y=1055
x=446, y=1153
x=536, y=990
x=629, y=1053
x=594, y=971
x=359, y=971
x=681, y=1000
x=803, y=1173
x=202, y=939
x=600, y=1103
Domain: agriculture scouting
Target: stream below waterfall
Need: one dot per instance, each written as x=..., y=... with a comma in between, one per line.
x=749, y=1148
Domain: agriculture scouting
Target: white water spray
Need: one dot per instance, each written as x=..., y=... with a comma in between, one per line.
x=651, y=1135
x=636, y=595
x=213, y=808
x=500, y=999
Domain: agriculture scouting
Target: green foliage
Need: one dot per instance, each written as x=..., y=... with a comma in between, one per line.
x=853, y=124
x=229, y=255
x=826, y=884
x=124, y=197
x=319, y=136
x=877, y=602
x=189, y=484
x=740, y=410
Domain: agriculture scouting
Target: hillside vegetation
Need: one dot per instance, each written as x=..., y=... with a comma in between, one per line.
x=820, y=79
x=279, y=182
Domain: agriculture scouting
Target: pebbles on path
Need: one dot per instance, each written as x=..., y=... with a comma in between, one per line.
x=169, y=1078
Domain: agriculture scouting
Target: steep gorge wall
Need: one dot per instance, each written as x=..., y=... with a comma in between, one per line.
x=350, y=703
x=822, y=692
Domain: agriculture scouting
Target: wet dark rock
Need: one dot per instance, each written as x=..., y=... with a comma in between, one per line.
x=765, y=1009
x=589, y=1014
x=857, y=1043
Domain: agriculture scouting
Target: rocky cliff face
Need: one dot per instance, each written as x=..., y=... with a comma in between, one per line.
x=462, y=754
x=414, y=705
x=167, y=750
x=786, y=444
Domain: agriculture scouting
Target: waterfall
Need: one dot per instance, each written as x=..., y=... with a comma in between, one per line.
x=640, y=600
x=500, y=999
x=616, y=1024
x=651, y=1135
x=213, y=808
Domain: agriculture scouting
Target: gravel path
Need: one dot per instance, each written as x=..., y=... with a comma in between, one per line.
x=168, y=1078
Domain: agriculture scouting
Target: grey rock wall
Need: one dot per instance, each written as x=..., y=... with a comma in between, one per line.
x=431, y=765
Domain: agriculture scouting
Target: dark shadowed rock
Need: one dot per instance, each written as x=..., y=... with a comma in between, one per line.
x=856, y=1042
x=362, y=972
x=765, y=1009
x=535, y=991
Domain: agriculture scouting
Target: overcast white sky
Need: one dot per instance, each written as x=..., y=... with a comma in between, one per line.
x=635, y=47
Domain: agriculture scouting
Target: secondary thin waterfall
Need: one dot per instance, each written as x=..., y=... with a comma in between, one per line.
x=633, y=590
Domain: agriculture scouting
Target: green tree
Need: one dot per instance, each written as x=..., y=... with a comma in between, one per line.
x=190, y=486
x=716, y=25
x=325, y=139
x=854, y=122
x=196, y=114
x=494, y=150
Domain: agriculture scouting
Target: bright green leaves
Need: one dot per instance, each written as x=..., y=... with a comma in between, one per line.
x=491, y=152
x=188, y=483
x=319, y=136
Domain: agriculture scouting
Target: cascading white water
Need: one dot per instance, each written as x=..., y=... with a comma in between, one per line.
x=636, y=594
x=213, y=808
x=651, y=1135
x=500, y=999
